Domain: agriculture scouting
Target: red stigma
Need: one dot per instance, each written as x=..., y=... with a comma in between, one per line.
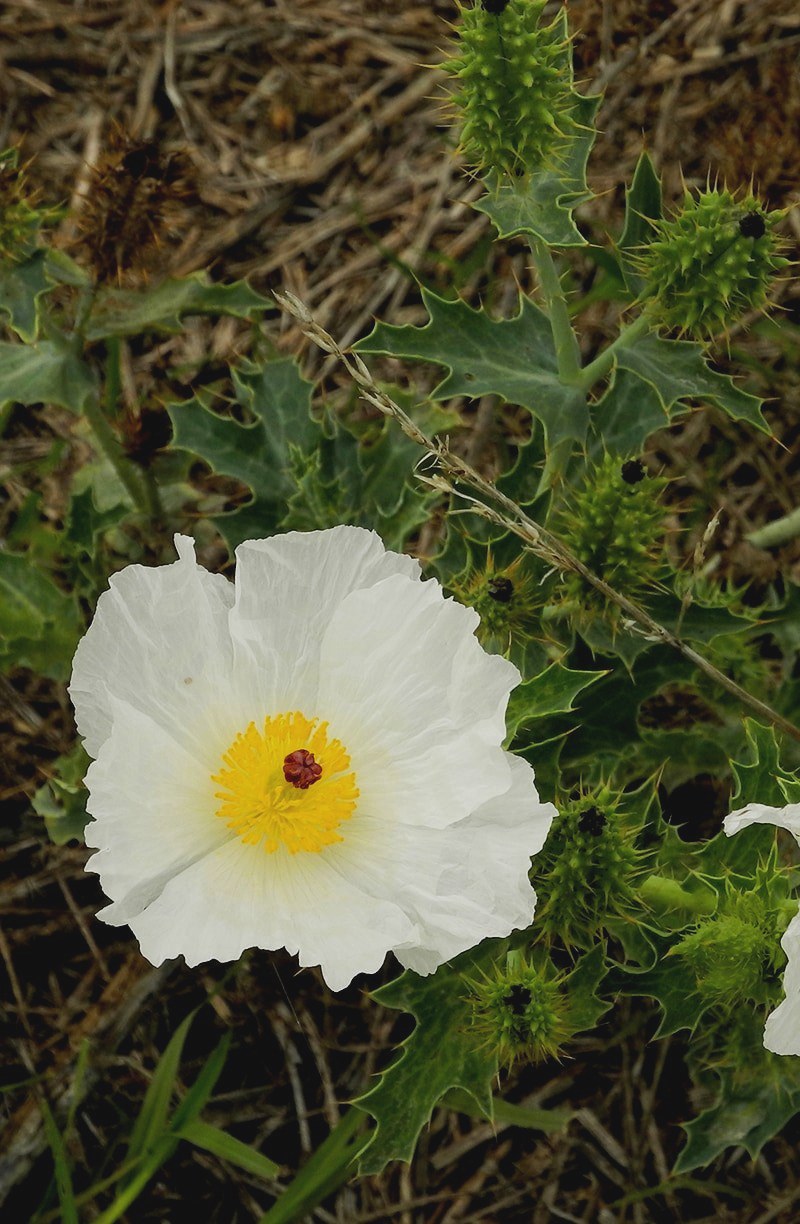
x=300, y=768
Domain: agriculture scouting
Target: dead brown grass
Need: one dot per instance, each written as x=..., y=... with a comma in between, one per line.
x=321, y=167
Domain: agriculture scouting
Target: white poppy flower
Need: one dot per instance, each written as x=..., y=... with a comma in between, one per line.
x=782, y=1030
x=311, y=758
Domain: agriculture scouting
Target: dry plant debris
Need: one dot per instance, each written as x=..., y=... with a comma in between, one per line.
x=316, y=160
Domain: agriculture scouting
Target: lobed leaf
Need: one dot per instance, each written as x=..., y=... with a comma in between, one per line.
x=678, y=370
x=543, y=203
x=39, y=623
x=513, y=358
x=442, y=1053
x=553, y=691
x=48, y=372
x=21, y=287
x=744, y=1114
x=643, y=206
x=260, y=455
x=129, y=312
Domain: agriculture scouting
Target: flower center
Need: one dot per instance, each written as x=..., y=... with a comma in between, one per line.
x=274, y=794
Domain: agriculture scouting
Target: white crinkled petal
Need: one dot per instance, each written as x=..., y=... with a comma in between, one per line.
x=287, y=589
x=154, y=813
x=240, y=897
x=435, y=857
x=460, y=884
x=782, y=1031
x=484, y=888
x=759, y=813
x=159, y=641
x=426, y=895
x=392, y=658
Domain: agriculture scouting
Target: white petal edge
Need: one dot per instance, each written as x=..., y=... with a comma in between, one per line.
x=239, y=897
x=159, y=642
x=787, y=817
x=421, y=755
x=782, y=1030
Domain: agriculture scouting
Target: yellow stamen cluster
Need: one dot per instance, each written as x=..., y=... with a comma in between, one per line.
x=265, y=809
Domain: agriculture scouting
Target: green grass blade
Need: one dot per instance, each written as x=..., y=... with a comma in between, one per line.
x=152, y=1120
x=66, y=1195
x=203, y=1086
x=156, y=1138
x=325, y=1170
x=226, y=1147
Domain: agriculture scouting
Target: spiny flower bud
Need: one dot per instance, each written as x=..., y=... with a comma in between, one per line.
x=615, y=526
x=711, y=263
x=505, y=599
x=588, y=869
x=514, y=85
x=522, y=1009
x=20, y=219
x=735, y=955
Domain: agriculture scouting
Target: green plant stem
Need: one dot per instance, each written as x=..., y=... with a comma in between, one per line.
x=108, y=443
x=568, y=354
x=664, y=895
x=113, y=376
x=152, y=493
x=602, y=364
x=776, y=532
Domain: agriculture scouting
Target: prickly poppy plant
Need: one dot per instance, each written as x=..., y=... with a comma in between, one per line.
x=318, y=729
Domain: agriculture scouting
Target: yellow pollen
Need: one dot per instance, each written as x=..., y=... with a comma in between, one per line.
x=263, y=808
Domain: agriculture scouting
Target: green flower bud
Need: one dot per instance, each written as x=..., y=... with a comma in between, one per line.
x=735, y=955
x=506, y=601
x=711, y=263
x=587, y=872
x=514, y=86
x=522, y=1009
x=614, y=524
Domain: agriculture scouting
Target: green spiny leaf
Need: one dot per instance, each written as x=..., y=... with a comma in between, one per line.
x=677, y=370
x=745, y=1114
x=260, y=455
x=129, y=312
x=21, y=286
x=39, y=623
x=513, y=358
x=442, y=1053
x=45, y=373
x=763, y=779
x=543, y=202
x=553, y=691
x=643, y=205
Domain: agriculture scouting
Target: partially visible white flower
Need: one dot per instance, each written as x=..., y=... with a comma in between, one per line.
x=311, y=758
x=782, y=1031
